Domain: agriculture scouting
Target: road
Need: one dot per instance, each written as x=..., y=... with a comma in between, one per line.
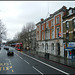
x=22, y=63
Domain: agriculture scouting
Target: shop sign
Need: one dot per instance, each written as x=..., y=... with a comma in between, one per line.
x=71, y=44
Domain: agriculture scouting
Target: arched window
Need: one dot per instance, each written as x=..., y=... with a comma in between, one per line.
x=46, y=46
x=42, y=45
x=52, y=46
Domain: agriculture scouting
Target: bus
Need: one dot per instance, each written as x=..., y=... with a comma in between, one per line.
x=18, y=46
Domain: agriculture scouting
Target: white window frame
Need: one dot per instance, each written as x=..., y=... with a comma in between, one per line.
x=52, y=33
x=57, y=35
x=70, y=11
x=42, y=27
x=42, y=35
x=57, y=20
x=47, y=25
x=52, y=23
x=67, y=24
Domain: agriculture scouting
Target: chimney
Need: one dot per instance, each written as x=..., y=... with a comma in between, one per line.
x=42, y=19
x=51, y=15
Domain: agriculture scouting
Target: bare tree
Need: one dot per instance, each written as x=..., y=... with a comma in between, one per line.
x=30, y=26
x=2, y=31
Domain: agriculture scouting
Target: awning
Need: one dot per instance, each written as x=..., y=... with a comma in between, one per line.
x=69, y=48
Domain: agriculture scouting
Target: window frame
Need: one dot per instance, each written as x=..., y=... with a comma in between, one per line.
x=67, y=25
x=52, y=23
x=73, y=22
x=70, y=11
x=57, y=35
x=57, y=20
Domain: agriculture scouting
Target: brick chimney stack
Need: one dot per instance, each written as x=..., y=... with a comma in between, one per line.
x=42, y=19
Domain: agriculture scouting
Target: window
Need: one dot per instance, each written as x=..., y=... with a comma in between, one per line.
x=48, y=34
x=73, y=22
x=46, y=46
x=52, y=24
x=42, y=27
x=67, y=36
x=52, y=34
x=52, y=46
x=57, y=33
x=47, y=25
x=70, y=11
x=42, y=35
x=74, y=11
x=42, y=45
x=67, y=24
x=57, y=20
x=74, y=34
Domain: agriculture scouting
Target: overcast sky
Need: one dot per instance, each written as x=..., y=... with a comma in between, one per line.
x=15, y=14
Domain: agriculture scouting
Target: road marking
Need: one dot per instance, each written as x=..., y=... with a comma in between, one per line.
x=1, y=64
x=0, y=68
x=4, y=68
x=37, y=70
x=22, y=58
x=6, y=64
x=19, y=56
x=7, y=68
x=12, y=70
x=26, y=62
x=46, y=64
x=10, y=66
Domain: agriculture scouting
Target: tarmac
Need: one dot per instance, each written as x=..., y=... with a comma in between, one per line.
x=60, y=60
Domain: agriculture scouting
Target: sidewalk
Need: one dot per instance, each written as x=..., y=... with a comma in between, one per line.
x=61, y=60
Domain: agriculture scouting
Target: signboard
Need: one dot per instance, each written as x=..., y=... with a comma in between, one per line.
x=71, y=44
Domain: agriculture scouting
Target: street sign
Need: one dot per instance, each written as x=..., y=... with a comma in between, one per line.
x=71, y=44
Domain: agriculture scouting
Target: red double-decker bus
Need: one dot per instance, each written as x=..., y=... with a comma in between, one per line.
x=18, y=46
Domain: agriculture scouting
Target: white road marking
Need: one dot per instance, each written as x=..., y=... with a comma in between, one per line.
x=22, y=58
x=19, y=56
x=46, y=64
x=26, y=62
x=37, y=70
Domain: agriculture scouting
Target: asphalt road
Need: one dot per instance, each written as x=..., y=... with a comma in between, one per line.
x=22, y=63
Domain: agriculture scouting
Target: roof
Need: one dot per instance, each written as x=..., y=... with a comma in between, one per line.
x=61, y=9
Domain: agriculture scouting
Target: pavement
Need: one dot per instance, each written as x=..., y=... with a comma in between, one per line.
x=60, y=60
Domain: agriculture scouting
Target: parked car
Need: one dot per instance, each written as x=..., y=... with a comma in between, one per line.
x=10, y=52
x=0, y=47
x=6, y=47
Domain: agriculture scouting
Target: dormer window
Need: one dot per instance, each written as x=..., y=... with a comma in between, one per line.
x=70, y=11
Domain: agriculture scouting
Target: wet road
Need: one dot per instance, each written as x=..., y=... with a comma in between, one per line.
x=22, y=63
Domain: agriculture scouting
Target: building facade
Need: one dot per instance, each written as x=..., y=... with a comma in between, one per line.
x=69, y=27
x=47, y=34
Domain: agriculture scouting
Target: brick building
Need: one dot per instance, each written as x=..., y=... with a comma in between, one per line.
x=47, y=34
x=69, y=27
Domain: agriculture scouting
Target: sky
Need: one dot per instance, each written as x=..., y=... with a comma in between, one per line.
x=16, y=14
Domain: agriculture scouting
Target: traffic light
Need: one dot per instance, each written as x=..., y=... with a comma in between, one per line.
x=59, y=34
